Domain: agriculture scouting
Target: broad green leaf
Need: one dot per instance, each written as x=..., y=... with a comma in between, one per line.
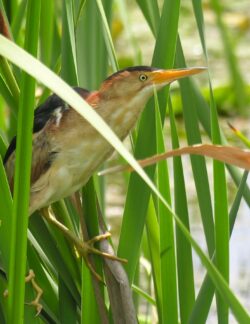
x=185, y=270
x=19, y=226
x=167, y=239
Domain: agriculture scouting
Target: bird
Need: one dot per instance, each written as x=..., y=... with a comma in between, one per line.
x=67, y=150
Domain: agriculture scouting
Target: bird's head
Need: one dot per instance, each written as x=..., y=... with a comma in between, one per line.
x=139, y=81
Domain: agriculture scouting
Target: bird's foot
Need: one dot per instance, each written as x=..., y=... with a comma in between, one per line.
x=31, y=278
x=36, y=302
x=86, y=248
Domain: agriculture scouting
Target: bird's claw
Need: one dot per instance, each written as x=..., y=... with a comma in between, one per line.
x=87, y=248
x=37, y=305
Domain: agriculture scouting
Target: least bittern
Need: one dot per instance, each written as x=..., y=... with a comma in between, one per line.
x=67, y=150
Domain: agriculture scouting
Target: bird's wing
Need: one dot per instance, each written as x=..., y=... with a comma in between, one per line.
x=50, y=108
x=49, y=112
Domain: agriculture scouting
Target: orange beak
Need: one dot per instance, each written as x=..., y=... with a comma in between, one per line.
x=168, y=76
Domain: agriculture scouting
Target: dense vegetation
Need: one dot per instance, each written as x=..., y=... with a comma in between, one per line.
x=78, y=41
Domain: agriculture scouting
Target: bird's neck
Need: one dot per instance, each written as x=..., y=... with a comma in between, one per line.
x=121, y=114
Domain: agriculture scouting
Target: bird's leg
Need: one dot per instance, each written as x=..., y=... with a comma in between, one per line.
x=98, y=238
x=36, y=302
x=84, y=248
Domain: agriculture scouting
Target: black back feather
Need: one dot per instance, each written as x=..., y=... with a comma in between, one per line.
x=43, y=113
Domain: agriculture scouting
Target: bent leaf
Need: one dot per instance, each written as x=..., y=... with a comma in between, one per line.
x=227, y=154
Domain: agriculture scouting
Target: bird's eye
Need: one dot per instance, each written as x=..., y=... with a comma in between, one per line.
x=143, y=77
